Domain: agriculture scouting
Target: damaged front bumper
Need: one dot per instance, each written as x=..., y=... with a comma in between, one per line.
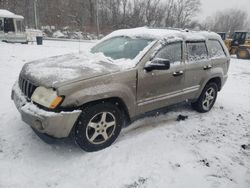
x=54, y=124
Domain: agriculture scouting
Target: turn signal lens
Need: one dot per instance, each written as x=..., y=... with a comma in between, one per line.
x=56, y=102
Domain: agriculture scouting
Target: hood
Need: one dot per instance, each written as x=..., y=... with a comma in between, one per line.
x=55, y=70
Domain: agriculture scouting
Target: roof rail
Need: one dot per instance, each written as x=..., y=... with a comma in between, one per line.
x=170, y=28
x=174, y=28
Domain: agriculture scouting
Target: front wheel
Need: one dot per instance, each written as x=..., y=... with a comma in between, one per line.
x=207, y=98
x=98, y=126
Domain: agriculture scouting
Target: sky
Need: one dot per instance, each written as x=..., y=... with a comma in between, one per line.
x=209, y=7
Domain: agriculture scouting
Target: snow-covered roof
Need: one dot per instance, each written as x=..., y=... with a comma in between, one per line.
x=164, y=33
x=7, y=14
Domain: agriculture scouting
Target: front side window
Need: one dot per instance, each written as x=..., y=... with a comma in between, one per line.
x=216, y=49
x=9, y=25
x=243, y=36
x=121, y=47
x=171, y=52
x=239, y=36
x=236, y=36
x=1, y=24
x=197, y=51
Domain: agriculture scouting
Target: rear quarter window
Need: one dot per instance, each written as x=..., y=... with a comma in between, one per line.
x=216, y=49
x=196, y=51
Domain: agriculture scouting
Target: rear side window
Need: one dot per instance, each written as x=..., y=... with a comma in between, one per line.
x=197, y=51
x=19, y=25
x=171, y=52
x=216, y=49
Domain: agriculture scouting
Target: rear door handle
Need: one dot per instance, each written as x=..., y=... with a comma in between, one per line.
x=178, y=73
x=207, y=67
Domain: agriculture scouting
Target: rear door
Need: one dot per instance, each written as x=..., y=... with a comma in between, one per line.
x=20, y=34
x=217, y=54
x=9, y=30
x=198, y=67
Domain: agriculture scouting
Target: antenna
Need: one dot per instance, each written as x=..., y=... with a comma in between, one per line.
x=79, y=45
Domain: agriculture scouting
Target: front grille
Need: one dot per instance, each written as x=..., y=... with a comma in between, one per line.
x=26, y=87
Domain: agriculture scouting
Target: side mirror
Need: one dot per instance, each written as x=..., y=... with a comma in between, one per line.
x=157, y=64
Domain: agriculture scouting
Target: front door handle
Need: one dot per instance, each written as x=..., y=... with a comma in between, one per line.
x=178, y=73
x=207, y=67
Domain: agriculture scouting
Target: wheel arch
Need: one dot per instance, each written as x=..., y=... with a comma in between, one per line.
x=216, y=80
x=113, y=100
x=245, y=48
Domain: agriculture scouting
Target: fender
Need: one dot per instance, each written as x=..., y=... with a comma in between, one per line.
x=122, y=87
x=219, y=75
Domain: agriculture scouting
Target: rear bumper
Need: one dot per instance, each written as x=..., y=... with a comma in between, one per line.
x=57, y=125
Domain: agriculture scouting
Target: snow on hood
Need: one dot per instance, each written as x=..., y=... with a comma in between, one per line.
x=53, y=70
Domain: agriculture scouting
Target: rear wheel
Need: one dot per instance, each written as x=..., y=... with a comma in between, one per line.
x=98, y=126
x=243, y=53
x=207, y=98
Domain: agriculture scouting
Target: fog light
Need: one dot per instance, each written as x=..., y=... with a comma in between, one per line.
x=38, y=125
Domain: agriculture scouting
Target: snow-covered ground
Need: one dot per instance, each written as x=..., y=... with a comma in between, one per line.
x=206, y=150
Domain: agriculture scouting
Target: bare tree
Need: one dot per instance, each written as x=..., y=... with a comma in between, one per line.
x=113, y=14
x=153, y=12
x=179, y=13
x=228, y=20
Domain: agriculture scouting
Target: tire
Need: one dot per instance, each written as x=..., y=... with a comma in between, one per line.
x=207, y=98
x=98, y=126
x=245, y=52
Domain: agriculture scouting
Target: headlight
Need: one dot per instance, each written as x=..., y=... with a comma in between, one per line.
x=46, y=97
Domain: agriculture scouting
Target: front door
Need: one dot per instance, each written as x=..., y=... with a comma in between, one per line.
x=9, y=30
x=1, y=29
x=160, y=88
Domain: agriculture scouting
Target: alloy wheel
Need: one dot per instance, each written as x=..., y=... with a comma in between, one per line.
x=101, y=127
x=208, y=99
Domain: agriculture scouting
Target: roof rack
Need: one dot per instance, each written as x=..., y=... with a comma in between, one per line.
x=176, y=29
x=170, y=28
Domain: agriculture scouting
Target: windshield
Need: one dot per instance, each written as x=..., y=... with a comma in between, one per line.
x=121, y=47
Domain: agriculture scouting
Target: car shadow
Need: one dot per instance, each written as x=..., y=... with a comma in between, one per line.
x=155, y=119
x=143, y=123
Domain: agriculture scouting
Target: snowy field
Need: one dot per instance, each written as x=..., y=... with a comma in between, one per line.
x=206, y=150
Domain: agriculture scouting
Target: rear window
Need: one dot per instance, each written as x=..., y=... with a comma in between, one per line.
x=196, y=51
x=216, y=49
x=171, y=52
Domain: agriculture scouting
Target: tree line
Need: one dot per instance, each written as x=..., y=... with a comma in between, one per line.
x=83, y=15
